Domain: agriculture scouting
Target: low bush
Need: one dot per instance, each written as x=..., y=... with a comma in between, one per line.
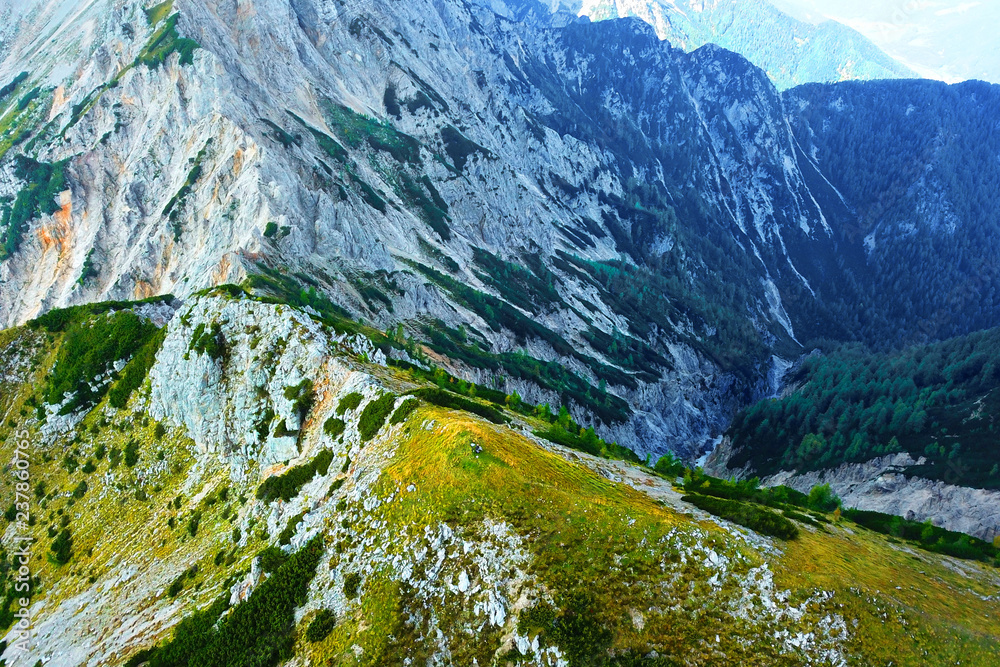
x=352, y=584
x=256, y=633
x=287, y=486
x=374, y=415
x=446, y=399
x=321, y=626
x=404, y=410
x=349, y=402
x=334, y=427
x=926, y=535
x=754, y=517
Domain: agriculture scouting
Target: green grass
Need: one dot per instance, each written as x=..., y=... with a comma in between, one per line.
x=157, y=13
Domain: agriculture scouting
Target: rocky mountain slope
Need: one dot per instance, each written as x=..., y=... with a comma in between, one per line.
x=792, y=52
x=378, y=157
x=255, y=464
x=565, y=212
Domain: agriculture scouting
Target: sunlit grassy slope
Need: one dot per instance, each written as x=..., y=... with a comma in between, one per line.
x=523, y=553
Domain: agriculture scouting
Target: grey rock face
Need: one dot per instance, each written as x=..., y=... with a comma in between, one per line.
x=176, y=170
x=879, y=485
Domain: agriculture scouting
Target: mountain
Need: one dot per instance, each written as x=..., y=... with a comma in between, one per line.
x=950, y=41
x=258, y=486
x=373, y=317
x=791, y=51
x=625, y=219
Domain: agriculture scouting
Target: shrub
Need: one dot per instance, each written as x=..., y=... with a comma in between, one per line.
x=302, y=397
x=286, y=535
x=321, y=626
x=352, y=582
x=404, y=410
x=333, y=427
x=87, y=350
x=192, y=524
x=81, y=490
x=135, y=372
x=131, y=453
x=210, y=341
x=754, y=517
x=823, y=499
x=669, y=465
x=62, y=547
x=272, y=558
x=374, y=415
x=287, y=486
x=446, y=399
x=349, y=402
x=257, y=633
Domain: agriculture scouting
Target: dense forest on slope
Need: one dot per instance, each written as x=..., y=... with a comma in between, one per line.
x=936, y=401
x=918, y=163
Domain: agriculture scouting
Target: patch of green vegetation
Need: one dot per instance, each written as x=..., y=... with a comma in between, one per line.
x=852, y=405
x=326, y=143
x=927, y=536
x=270, y=229
x=404, y=410
x=499, y=314
x=88, y=349
x=12, y=86
x=355, y=129
x=157, y=13
x=321, y=625
x=164, y=41
x=566, y=432
x=367, y=285
x=174, y=207
x=432, y=209
x=349, y=402
x=272, y=558
x=286, y=535
x=574, y=627
x=135, y=372
x=288, y=485
x=37, y=198
x=449, y=400
x=131, y=453
x=209, y=341
x=438, y=256
x=334, y=427
x=302, y=396
x=283, y=137
x=352, y=585
x=373, y=417
x=256, y=633
x=648, y=299
x=526, y=289
x=88, y=270
x=754, y=517
x=61, y=549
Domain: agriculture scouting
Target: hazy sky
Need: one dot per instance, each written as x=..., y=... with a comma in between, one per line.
x=951, y=40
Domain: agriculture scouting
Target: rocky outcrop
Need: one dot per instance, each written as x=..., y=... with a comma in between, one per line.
x=883, y=485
